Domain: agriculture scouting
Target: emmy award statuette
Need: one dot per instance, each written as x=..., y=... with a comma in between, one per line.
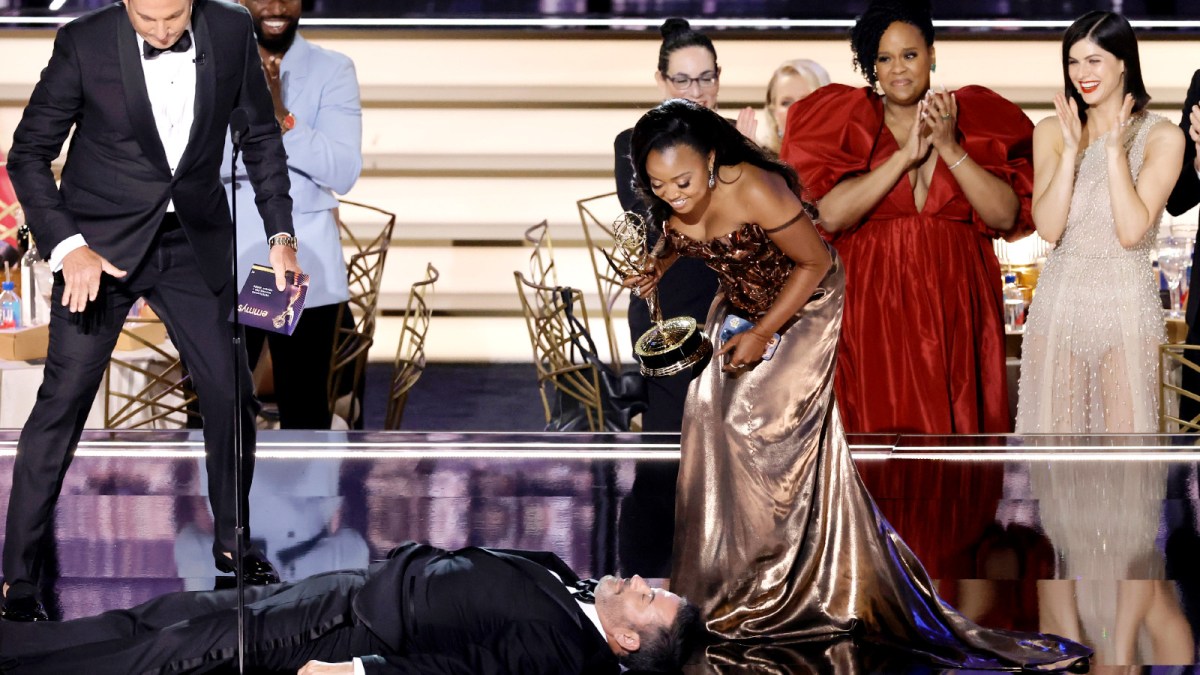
x=672, y=345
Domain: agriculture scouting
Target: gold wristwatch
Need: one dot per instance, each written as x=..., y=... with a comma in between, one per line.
x=283, y=239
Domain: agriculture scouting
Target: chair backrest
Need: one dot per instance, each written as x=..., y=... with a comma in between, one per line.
x=541, y=261
x=355, y=324
x=552, y=337
x=596, y=214
x=410, y=353
x=7, y=210
x=147, y=387
x=1173, y=360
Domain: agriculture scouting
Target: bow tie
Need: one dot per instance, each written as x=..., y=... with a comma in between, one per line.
x=183, y=44
x=584, y=590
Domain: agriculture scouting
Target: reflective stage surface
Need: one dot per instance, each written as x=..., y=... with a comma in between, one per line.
x=1097, y=539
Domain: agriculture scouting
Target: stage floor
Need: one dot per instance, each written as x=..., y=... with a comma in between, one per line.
x=1021, y=533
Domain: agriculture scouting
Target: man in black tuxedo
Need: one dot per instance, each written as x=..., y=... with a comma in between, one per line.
x=149, y=87
x=1183, y=198
x=423, y=610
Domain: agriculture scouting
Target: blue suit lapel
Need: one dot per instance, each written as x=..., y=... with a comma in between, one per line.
x=294, y=69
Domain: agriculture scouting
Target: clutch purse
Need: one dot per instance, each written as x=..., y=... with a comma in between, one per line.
x=735, y=325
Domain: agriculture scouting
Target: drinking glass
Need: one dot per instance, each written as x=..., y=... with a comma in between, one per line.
x=1174, y=255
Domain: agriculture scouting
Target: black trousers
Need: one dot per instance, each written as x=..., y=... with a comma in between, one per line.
x=79, y=350
x=301, y=366
x=646, y=528
x=287, y=625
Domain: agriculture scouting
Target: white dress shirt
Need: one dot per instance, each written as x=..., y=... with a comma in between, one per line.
x=171, y=85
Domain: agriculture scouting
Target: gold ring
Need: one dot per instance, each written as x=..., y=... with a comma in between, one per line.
x=945, y=116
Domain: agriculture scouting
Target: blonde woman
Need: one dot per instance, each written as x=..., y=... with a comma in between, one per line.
x=791, y=82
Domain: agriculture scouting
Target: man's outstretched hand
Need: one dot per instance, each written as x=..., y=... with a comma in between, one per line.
x=81, y=270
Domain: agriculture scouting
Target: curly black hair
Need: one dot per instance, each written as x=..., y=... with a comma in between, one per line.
x=676, y=34
x=868, y=30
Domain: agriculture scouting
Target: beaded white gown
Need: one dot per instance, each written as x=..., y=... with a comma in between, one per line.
x=1090, y=352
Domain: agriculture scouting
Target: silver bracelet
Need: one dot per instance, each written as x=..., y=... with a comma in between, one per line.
x=960, y=161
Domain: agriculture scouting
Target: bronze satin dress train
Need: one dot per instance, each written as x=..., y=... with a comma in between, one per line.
x=776, y=536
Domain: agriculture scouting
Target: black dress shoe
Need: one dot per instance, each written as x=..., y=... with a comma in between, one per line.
x=256, y=569
x=23, y=608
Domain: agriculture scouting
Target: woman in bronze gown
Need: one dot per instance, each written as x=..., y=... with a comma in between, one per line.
x=776, y=536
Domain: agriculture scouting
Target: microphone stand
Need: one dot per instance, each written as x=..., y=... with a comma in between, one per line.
x=239, y=124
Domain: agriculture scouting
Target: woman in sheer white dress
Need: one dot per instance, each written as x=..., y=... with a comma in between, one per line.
x=1103, y=169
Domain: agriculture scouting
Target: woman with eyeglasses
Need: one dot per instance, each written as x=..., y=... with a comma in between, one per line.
x=687, y=68
x=913, y=185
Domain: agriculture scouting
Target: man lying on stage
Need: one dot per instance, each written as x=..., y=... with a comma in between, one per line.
x=423, y=610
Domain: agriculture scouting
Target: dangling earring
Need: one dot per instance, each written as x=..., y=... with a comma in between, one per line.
x=712, y=178
x=933, y=68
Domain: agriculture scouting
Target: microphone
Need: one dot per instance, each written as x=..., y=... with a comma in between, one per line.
x=239, y=124
x=199, y=60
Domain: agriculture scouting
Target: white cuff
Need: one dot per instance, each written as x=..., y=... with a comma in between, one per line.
x=358, y=667
x=64, y=247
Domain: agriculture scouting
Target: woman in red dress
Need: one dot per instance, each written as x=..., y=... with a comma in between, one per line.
x=912, y=186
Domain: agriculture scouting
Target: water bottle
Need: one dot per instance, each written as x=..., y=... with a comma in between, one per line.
x=1014, y=305
x=34, y=288
x=10, y=307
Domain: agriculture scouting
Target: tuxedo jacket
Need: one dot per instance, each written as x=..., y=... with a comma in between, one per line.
x=1185, y=196
x=472, y=611
x=478, y=611
x=116, y=181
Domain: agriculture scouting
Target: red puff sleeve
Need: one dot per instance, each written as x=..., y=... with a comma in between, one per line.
x=829, y=136
x=999, y=137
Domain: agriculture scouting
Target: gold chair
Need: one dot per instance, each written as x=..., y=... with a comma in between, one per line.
x=410, y=354
x=553, y=337
x=355, y=327
x=1173, y=359
x=541, y=261
x=148, y=388
x=597, y=231
x=7, y=210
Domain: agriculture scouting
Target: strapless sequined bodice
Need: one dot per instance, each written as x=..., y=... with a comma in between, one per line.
x=751, y=268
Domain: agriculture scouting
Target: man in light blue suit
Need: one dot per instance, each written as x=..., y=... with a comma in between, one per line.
x=316, y=98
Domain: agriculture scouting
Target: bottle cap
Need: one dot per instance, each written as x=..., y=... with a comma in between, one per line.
x=7, y=285
x=1009, y=278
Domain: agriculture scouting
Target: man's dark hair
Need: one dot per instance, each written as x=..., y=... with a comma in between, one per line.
x=1114, y=35
x=664, y=649
x=676, y=34
x=868, y=30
